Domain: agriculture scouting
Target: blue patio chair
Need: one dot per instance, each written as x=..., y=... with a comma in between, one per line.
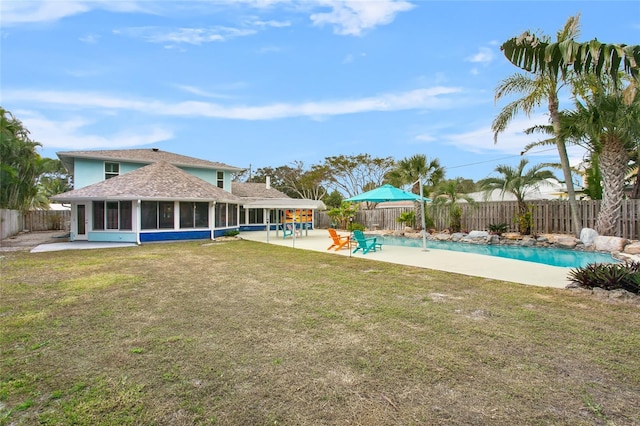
x=365, y=244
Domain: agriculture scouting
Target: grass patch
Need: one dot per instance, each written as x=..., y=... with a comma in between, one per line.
x=249, y=333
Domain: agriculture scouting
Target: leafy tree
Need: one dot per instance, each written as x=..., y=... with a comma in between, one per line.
x=333, y=200
x=296, y=181
x=20, y=165
x=355, y=174
x=54, y=178
x=519, y=183
x=343, y=214
x=543, y=85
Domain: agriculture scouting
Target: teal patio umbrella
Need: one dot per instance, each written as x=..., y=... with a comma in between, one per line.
x=391, y=193
x=386, y=193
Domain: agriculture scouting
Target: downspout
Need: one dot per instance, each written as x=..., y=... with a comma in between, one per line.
x=138, y=221
x=213, y=220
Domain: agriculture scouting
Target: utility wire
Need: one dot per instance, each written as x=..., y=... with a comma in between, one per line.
x=497, y=159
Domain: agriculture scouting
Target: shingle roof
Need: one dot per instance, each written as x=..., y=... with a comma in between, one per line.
x=157, y=181
x=145, y=156
x=255, y=190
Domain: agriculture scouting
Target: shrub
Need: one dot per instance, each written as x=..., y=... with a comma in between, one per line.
x=231, y=233
x=407, y=218
x=498, y=228
x=353, y=226
x=608, y=276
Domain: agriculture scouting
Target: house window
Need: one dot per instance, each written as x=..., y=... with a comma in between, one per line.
x=233, y=215
x=194, y=215
x=156, y=215
x=256, y=215
x=221, y=215
x=113, y=215
x=220, y=179
x=111, y=170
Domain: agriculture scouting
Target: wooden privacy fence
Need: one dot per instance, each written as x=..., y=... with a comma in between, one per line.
x=549, y=216
x=47, y=220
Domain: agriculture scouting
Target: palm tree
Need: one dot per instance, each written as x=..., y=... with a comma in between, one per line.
x=448, y=195
x=609, y=126
x=518, y=183
x=415, y=171
x=409, y=171
x=544, y=85
x=538, y=55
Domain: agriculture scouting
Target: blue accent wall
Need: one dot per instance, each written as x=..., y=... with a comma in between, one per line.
x=174, y=236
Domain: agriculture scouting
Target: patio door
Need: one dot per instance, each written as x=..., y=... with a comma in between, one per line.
x=81, y=222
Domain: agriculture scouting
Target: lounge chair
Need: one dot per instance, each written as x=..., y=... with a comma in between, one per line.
x=339, y=241
x=365, y=244
x=288, y=230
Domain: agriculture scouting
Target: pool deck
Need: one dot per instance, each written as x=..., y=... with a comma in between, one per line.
x=476, y=265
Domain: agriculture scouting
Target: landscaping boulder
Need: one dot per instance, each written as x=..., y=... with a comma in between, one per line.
x=610, y=244
x=567, y=242
x=512, y=236
x=587, y=236
x=633, y=248
x=478, y=234
x=457, y=236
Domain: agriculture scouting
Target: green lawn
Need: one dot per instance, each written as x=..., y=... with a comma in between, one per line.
x=244, y=333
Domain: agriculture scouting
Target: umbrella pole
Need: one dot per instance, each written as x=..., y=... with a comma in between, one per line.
x=424, y=220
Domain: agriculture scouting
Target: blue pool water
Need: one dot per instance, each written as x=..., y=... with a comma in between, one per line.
x=549, y=256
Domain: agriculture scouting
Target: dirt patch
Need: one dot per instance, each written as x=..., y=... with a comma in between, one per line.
x=25, y=241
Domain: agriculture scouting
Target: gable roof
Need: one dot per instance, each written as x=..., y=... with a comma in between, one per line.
x=144, y=156
x=157, y=181
x=255, y=190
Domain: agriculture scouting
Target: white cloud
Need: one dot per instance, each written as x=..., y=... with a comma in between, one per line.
x=432, y=98
x=352, y=17
x=483, y=56
x=200, y=92
x=90, y=38
x=195, y=36
x=511, y=141
x=36, y=11
x=72, y=134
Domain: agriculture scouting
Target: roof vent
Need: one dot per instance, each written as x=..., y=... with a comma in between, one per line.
x=155, y=149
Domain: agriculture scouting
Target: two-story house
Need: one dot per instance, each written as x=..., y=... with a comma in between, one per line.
x=141, y=195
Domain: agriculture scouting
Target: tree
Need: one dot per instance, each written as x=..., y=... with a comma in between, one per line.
x=609, y=126
x=593, y=178
x=415, y=170
x=355, y=174
x=539, y=56
x=543, y=85
x=448, y=194
x=343, y=215
x=20, y=164
x=518, y=183
x=296, y=181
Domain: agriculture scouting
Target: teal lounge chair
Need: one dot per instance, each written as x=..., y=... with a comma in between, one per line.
x=365, y=244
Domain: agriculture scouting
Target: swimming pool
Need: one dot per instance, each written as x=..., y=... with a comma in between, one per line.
x=549, y=256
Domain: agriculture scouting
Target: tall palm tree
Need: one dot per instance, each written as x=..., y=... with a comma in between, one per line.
x=609, y=126
x=415, y=171
x=410, y=170
x=543, y=85
x=516, y=181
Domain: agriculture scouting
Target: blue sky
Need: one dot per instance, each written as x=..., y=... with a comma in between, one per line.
x=266, y=82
